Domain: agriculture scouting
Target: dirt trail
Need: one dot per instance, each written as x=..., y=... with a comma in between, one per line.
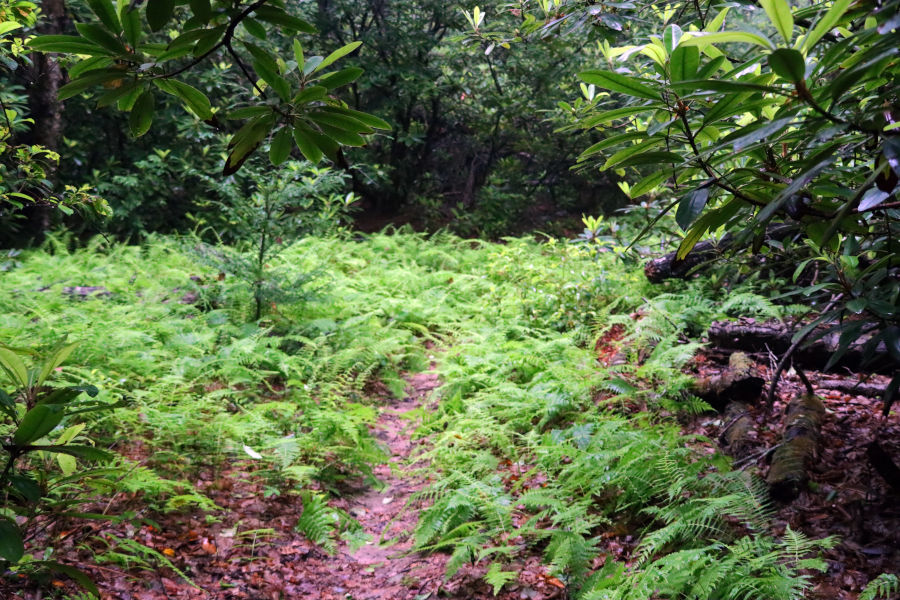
x=390, y=571
x=382, y=571
x=253, y=551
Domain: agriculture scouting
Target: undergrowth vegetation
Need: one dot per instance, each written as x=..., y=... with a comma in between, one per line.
x=536, y=445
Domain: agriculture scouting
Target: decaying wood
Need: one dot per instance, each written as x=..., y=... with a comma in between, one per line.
x=737, y=425
x=739, y=382
x=884, y=465
x=749, y=335
x=667, y=267
x=802, y=424
x=855, y=388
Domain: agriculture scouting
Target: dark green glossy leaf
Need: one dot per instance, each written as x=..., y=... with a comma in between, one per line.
x=338, y=54
x=141, y=116
x=277, y=16
x=68, y=44
x=159, y=12
x=249, y=112
x=26, y=487
x=745, y=137
x=365, y=118
x=671, y=36
x=707, y=70
x=618, y=113
x=659, y=159
x=89, y=64
x=210, y=39
x=201, y=9
x=89, y=80
x=341, y=136
x=649, y=182
x=131, y=23
x=246, y=141
x=326, y=144
x=106, y=12
x=629, y=151
x=341, y=121
x=67, y=394
x=12, y=548
x=306, y=143
x=718, y=85
x=255, y=28
x=7, y=405
x=788, y=64
x=37, y=422
x=692, y=205
x=340, y=78
x=309, y=94
x=684, y=62
x=616, y=82
x=78, y=451
x=611, y=141
x=280, y=149
x=195, y=100
x=100, y=36
x=779, y=13
x=275, y=81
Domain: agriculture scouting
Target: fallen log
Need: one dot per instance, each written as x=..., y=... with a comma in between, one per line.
x=737, y=425
x=854, y=388
x=739, y=382
x=802, y=423
x=749, y=335
x=667, y=267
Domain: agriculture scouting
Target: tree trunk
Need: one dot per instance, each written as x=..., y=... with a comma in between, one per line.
x=45, y=77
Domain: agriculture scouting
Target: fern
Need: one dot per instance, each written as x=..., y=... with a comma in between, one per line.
x=883, y=586
x=318, y=521
x=497, y=577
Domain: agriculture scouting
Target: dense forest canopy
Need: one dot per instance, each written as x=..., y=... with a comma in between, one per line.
x=223, y=343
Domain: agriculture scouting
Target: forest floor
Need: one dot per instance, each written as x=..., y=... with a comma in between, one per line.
x=551, y=415
x=253, y=551
x=845, y=497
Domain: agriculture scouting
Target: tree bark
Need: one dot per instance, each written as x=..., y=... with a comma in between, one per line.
x=737, y=425
x=739, y=382
x=854, y=388
x=773, y=336
x=667, y=267
x=788, y=475
x=45, y=77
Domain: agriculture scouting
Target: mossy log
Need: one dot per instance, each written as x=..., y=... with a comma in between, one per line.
x=802, y=425
x=736, y=427
x=739, y=382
